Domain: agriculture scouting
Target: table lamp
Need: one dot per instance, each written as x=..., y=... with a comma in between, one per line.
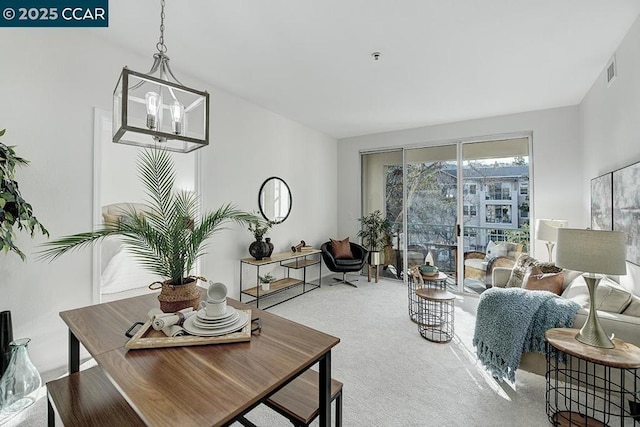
x=594, y=252
x=547, y=229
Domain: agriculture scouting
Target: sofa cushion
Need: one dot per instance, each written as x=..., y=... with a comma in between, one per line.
x=609, y=295
x=348, y=261
x=341, y=249
x=633, y=309
x=536, y=280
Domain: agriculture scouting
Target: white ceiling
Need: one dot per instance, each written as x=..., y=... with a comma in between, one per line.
x=441, y=61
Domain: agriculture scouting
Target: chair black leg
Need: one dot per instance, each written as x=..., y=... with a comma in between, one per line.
x=345, y=281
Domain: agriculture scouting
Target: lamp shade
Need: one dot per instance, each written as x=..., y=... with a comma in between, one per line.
x=591, y=251
x=547, y=229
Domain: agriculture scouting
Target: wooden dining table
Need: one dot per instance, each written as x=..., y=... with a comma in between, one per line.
x=198, y=385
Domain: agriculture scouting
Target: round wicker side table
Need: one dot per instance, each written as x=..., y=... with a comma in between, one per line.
x=435, y=315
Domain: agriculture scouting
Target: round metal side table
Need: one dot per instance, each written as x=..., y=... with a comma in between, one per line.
x=591, y=386
x=416, y=281
x=435, y=314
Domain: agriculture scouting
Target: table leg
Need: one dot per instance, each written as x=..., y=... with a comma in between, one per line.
x=324, y=390
x=74, y=353
x=51, y=414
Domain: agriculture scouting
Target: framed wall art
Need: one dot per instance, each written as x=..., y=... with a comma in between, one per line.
x=602, y=202
x=626, y=208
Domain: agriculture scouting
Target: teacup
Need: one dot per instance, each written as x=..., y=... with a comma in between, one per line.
x=216, y=304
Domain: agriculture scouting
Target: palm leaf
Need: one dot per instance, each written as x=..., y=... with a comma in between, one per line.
x=167, y=240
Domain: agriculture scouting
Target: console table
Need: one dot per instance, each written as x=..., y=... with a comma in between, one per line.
x=288, y=260
x=589, y=385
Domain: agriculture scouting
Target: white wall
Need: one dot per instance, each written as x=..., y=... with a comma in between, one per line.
x=610, y=116
x=557, y=156
x=50, y=82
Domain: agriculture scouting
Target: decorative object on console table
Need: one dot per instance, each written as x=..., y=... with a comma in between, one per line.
x=298, y=247
x=268, y=241
x=6, y=336
x=266, y=280
x=21, y=381
x=595, y=252
x=166, y=240
x=258, y=249
x=547, y=230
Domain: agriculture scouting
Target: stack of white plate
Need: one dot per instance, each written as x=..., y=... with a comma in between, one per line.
x=213, y=326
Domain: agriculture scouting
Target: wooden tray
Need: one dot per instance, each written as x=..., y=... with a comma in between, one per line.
x=147, y=337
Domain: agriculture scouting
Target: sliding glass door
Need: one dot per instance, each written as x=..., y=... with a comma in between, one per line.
x=495, y=206
x=431, y=198
x=462, y=206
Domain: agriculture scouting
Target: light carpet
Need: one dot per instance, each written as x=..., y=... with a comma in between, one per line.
x=392, y=376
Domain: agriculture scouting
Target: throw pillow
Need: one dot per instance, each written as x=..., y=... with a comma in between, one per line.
x=536, y=280
x=488, y=250
x=498, y=249
x=523, y=262
x=609, y=295
x=341, y=249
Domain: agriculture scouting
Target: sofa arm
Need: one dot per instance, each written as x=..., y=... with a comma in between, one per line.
x=500, y=276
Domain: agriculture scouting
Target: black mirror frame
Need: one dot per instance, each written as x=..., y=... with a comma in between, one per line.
x=290, y=199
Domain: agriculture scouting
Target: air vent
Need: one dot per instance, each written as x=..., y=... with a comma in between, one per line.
x=612, y=71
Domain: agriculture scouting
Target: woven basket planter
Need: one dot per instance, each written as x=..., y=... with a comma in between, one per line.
x=176, y=297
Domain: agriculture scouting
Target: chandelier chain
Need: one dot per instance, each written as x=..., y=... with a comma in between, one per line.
x=160, y=45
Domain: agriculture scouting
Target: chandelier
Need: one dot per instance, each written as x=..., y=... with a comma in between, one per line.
x=155, y=109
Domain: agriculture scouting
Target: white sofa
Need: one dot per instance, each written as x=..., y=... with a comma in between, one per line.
x=618, y=298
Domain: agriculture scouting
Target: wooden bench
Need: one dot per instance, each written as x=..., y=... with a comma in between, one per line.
x=88, y=398
x=298, y=400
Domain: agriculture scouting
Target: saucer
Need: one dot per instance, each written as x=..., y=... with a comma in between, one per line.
x=241, y=322
x=202, y=315
x=217, y=325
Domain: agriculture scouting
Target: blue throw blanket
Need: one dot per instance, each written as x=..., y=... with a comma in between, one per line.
x=513, y=320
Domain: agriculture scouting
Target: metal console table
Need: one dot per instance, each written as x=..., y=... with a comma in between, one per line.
x=591, y=386
x=290, y=261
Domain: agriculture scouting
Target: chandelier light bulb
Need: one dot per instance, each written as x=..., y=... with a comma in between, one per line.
x=177, y=116
x=153, y=107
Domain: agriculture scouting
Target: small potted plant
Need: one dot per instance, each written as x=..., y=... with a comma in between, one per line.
x=373, y=232
x=266, y=281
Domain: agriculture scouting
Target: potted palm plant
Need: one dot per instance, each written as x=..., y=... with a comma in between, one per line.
x=373, y=231
x=168, y=239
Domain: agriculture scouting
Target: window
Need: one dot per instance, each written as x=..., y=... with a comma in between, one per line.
x=497, y=235
x=469, y=210
x=524, y=188
x=470, y=189
x=498, y=214
x=498, y=191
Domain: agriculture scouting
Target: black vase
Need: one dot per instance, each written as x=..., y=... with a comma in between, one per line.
x=6, y=336
x=268, y=241
x=259, y=249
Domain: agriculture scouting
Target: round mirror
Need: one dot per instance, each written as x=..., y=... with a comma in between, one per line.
x=275, y=200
